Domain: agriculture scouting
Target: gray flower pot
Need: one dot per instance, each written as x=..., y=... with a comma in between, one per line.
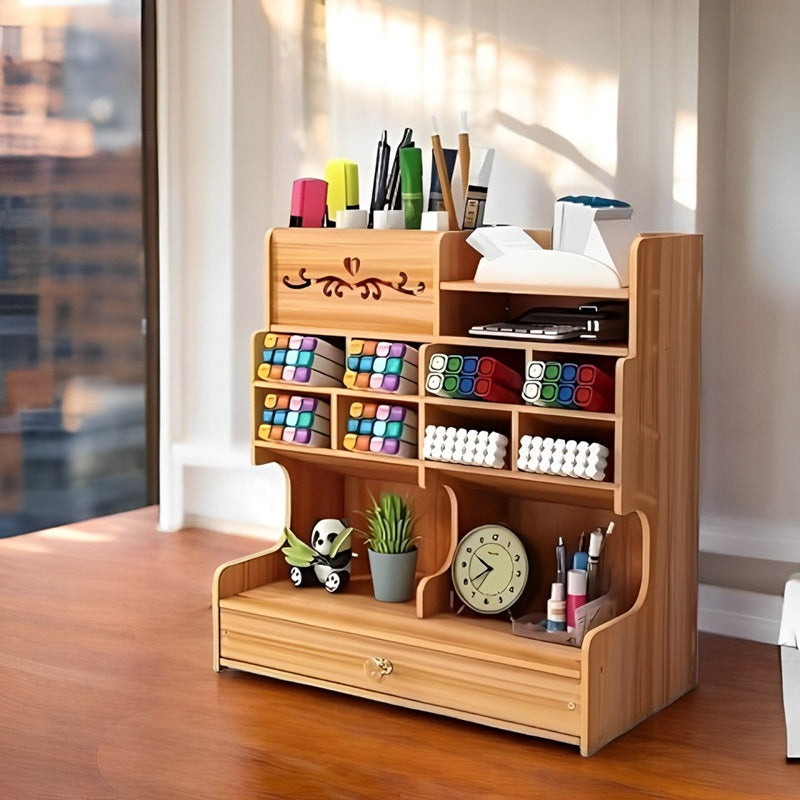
x=393, y=575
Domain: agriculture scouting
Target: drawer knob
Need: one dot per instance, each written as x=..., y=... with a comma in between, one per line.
x=376, y=669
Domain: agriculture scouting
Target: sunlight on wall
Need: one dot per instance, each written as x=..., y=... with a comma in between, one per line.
x=400, y=67
x=285, y=16
x=684, y=163
x=378, y=52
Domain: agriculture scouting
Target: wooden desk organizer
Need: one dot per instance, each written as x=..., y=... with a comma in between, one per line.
x=417, y=287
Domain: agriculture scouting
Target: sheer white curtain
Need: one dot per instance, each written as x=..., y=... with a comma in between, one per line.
x=593, y=97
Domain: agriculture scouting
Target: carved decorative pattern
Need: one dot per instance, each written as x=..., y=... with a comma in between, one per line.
x=369, y=288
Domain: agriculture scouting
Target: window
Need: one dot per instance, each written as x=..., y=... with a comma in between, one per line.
x=73, y=291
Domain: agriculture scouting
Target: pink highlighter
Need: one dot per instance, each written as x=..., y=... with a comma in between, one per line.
x=309, y=203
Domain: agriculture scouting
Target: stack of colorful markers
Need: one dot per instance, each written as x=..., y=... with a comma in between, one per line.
x=571, y=458
x=296, y=419
x=584, y=386
x=472, y=378
x=462, y=446
x=381, y=428
x=381, y=366
x=301, y=359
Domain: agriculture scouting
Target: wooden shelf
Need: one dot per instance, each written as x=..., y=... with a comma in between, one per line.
x=387, y=333
x=532, y=289
x=578, y=348
x=521, y=408
x=418, y=288
x=348, y=612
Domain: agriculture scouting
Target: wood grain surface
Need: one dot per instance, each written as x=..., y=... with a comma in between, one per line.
x=107, y=692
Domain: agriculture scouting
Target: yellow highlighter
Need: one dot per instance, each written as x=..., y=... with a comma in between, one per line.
x=342, y=177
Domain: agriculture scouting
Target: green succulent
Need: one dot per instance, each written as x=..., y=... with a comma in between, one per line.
x=391, y=524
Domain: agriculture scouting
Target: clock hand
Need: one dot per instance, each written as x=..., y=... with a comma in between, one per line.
x=483, y=572
x=483, y=576
x=488, y=566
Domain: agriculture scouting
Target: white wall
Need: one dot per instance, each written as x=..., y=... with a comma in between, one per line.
x=600, y=96
x=751, y=373
x=219, y=176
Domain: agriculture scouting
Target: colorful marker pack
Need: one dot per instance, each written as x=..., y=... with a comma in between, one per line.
x=471, y=377
x=301, y=359
x=381, y=366
x=382, y=429
x=568, y=385
x=570, y=458
x=461, y=446
x=295, y=419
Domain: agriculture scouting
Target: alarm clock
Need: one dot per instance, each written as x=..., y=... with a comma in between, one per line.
x=490, y=569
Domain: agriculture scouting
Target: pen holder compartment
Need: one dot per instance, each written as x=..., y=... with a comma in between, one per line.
x=588, y=616
x=383, y=282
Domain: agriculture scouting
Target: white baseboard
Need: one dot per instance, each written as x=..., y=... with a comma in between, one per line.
x=267, y=534
x=749, y=538
x=744, y=615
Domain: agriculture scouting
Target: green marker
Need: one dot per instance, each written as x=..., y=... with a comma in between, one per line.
x=411, y=186
x=450, y=385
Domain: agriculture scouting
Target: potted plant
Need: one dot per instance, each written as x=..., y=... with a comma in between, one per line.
x=392, y=548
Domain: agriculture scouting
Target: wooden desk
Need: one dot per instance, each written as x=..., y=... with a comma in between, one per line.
x=107, y=691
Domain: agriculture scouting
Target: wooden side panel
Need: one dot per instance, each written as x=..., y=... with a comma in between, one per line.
x=433, y=591
x=637, y=664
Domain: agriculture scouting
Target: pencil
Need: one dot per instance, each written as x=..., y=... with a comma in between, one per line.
x=463, y=153
x=444, y=179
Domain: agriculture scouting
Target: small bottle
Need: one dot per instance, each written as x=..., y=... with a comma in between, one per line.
x=556, y=609
x=576, y=595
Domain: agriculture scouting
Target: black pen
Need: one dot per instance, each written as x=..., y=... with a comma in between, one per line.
x=380, y=178
x=561, y=563
x=393, y=186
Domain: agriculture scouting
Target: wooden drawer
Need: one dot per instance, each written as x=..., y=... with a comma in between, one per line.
x=442, y=681
x=378, y=281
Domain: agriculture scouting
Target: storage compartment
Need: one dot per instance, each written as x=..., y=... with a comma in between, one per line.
x=579, y=382
x=454, y=429
x=378, y=427
x=539, y=525
x=386, y=667
x=466, y=304
x=480, y=373
x=298, y=359
x=388, y=367
x=293, y=417
x=573, y=448
x=380, y=282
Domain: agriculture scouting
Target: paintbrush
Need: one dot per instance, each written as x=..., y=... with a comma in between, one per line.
x=463, y=153
x=444, y=179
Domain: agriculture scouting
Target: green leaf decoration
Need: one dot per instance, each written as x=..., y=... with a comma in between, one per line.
x=342, y=538
x=297, y=553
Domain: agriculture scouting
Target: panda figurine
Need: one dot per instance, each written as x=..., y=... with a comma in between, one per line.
x=318, y=564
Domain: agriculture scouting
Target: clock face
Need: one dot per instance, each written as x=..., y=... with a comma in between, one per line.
x=490, y=569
